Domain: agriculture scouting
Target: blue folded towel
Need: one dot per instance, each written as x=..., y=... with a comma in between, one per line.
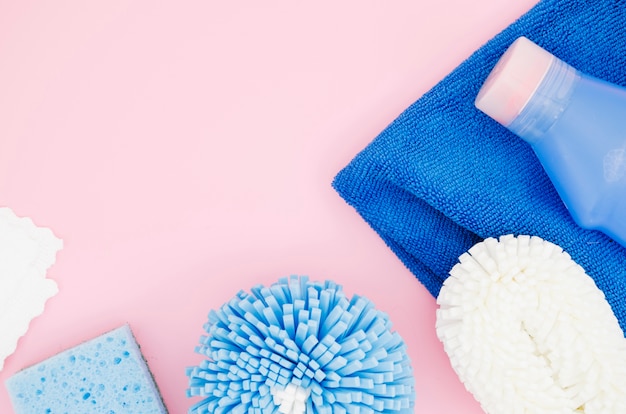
x=443, y=176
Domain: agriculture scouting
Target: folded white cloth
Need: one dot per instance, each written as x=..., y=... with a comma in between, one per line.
x=26, y=253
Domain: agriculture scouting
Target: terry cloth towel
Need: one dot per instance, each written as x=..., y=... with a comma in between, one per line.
x=443, y=176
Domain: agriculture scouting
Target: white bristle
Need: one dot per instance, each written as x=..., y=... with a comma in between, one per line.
x=291, y=399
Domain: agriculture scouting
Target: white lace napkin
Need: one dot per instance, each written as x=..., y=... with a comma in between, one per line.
x=26, y=253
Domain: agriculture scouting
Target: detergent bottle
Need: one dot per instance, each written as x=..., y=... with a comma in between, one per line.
x=576, y=125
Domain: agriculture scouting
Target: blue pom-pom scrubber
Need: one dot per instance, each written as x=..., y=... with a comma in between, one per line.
x=298, y=347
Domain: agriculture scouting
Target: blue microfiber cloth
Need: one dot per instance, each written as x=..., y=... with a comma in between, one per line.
x=105, y=375
x=443, y=176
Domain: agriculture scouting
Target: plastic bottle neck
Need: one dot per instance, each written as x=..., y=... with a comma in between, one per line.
x=547, y=103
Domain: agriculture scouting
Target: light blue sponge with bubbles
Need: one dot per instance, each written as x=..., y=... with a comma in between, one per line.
x=104, y=375
x=300, y=347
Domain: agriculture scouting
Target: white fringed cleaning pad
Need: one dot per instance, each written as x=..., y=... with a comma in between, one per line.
x=527, y=331
x=26, y=253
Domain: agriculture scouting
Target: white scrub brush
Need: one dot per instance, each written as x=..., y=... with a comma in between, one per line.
x=528, y=331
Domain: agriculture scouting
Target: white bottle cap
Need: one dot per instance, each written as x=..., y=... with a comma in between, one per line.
x=513, y=80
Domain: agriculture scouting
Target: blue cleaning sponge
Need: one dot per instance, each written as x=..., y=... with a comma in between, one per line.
x=301, y=347
x=104, y=375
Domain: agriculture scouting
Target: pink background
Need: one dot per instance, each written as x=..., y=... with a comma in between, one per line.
x=184, y=150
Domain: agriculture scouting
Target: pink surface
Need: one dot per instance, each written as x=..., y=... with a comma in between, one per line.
x=184, y=151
